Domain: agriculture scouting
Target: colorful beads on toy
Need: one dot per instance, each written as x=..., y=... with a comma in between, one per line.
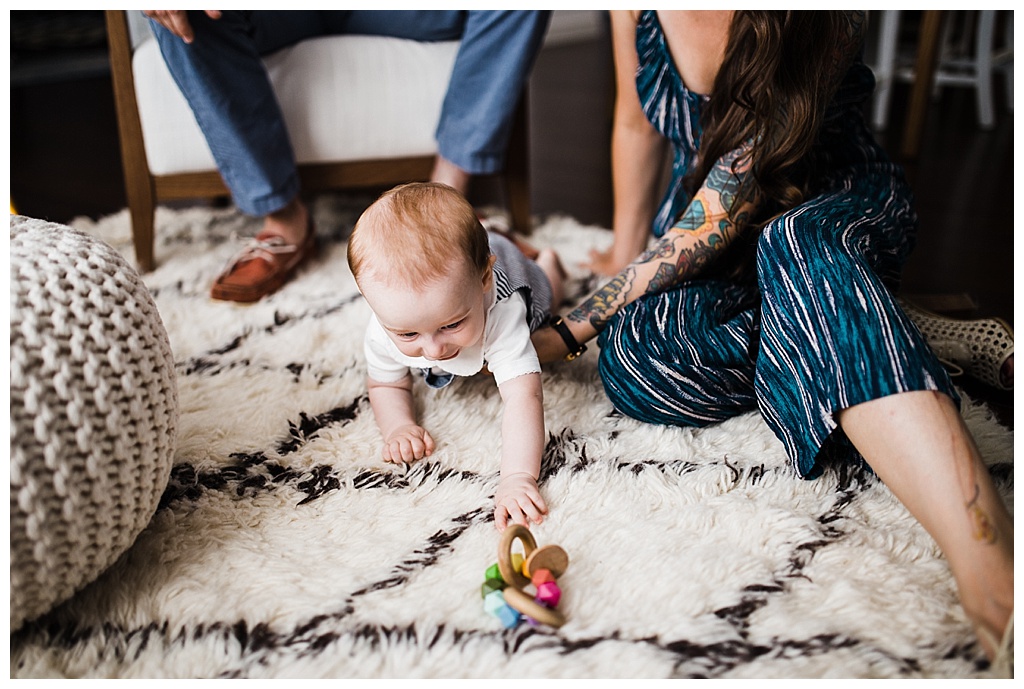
x=493, y=572
x=509, y=617
x=491, y=585
x=549, y=594
x=514, y=575
x=525, y=603
x=541, y=576
x=494, y=604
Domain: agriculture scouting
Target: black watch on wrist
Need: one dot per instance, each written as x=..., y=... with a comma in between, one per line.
x=575, y=348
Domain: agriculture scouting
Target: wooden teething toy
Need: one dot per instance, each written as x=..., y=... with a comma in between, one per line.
x=540, y=568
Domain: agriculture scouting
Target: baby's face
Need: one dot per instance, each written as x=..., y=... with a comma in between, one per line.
x=437, y=321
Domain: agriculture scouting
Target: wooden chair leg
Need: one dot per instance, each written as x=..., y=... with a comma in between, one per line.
x=924, y=76
x=517, y=170
x=139, y=186
x=142, y=209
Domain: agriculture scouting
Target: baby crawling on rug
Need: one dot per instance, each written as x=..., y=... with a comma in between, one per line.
x=451, y=299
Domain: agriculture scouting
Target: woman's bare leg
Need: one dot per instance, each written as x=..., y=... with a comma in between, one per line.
x=918, y=444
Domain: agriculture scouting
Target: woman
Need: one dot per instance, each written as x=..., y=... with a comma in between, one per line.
x=781, y=240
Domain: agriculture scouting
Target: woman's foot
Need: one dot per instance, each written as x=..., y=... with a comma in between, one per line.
x=549, y=262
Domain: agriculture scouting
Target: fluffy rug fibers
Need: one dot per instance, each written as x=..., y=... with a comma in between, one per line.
x=284, y=547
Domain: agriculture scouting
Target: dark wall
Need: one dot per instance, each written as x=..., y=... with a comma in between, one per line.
x=65, y=156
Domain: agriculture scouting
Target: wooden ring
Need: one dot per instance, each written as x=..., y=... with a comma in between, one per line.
x=508, y=537
x=521, y=601
x=550, y=557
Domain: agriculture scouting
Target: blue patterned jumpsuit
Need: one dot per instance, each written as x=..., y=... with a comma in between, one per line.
x=806, y=329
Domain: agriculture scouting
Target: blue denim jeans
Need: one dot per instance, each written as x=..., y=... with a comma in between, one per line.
x=222, y=76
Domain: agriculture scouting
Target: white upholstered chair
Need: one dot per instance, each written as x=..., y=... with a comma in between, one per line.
x=362, y=113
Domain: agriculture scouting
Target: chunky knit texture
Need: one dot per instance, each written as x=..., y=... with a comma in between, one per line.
x=94, y=410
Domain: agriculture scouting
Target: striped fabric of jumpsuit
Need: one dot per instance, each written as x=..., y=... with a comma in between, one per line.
x=810, y=326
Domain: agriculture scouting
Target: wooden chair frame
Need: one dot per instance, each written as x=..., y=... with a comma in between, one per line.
x=145, y=190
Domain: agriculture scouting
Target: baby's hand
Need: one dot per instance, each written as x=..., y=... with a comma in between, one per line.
x=407, y=444
x=518, y=498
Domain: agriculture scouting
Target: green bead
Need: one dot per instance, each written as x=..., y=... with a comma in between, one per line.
x=492, y=585
x=493, y=572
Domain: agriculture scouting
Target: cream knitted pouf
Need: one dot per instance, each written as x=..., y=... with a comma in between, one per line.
x=94, y=409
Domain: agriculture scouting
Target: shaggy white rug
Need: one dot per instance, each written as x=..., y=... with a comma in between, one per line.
x=284, y=546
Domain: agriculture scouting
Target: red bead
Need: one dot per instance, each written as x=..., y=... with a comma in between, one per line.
x=542, y=576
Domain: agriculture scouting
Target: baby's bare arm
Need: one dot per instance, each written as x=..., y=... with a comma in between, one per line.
x=404, y=439
x=522, y=445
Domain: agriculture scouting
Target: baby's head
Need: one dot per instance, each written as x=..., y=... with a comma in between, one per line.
x=417, y=233
x=422, y=261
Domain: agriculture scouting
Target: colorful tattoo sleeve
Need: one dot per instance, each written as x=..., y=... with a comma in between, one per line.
x=710, y=223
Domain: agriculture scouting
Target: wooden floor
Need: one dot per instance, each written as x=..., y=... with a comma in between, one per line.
x=65, y=162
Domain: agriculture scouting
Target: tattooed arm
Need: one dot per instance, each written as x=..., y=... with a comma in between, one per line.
x=698, y=238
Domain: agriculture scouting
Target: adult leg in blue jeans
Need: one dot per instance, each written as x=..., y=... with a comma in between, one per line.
x=217, y=63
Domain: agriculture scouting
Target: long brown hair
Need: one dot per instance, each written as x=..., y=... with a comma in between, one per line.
x=777, y=76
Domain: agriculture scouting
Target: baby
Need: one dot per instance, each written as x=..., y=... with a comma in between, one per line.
x=449, y=299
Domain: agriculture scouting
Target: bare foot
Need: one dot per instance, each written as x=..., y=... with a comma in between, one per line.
x=549, y=262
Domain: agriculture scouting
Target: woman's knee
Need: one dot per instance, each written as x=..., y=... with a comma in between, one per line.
x=867, y=222
x=646, y=381
x=786, y=245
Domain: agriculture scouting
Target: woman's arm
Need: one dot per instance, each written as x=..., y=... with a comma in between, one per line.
x=703, y=232
x=638, y=155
